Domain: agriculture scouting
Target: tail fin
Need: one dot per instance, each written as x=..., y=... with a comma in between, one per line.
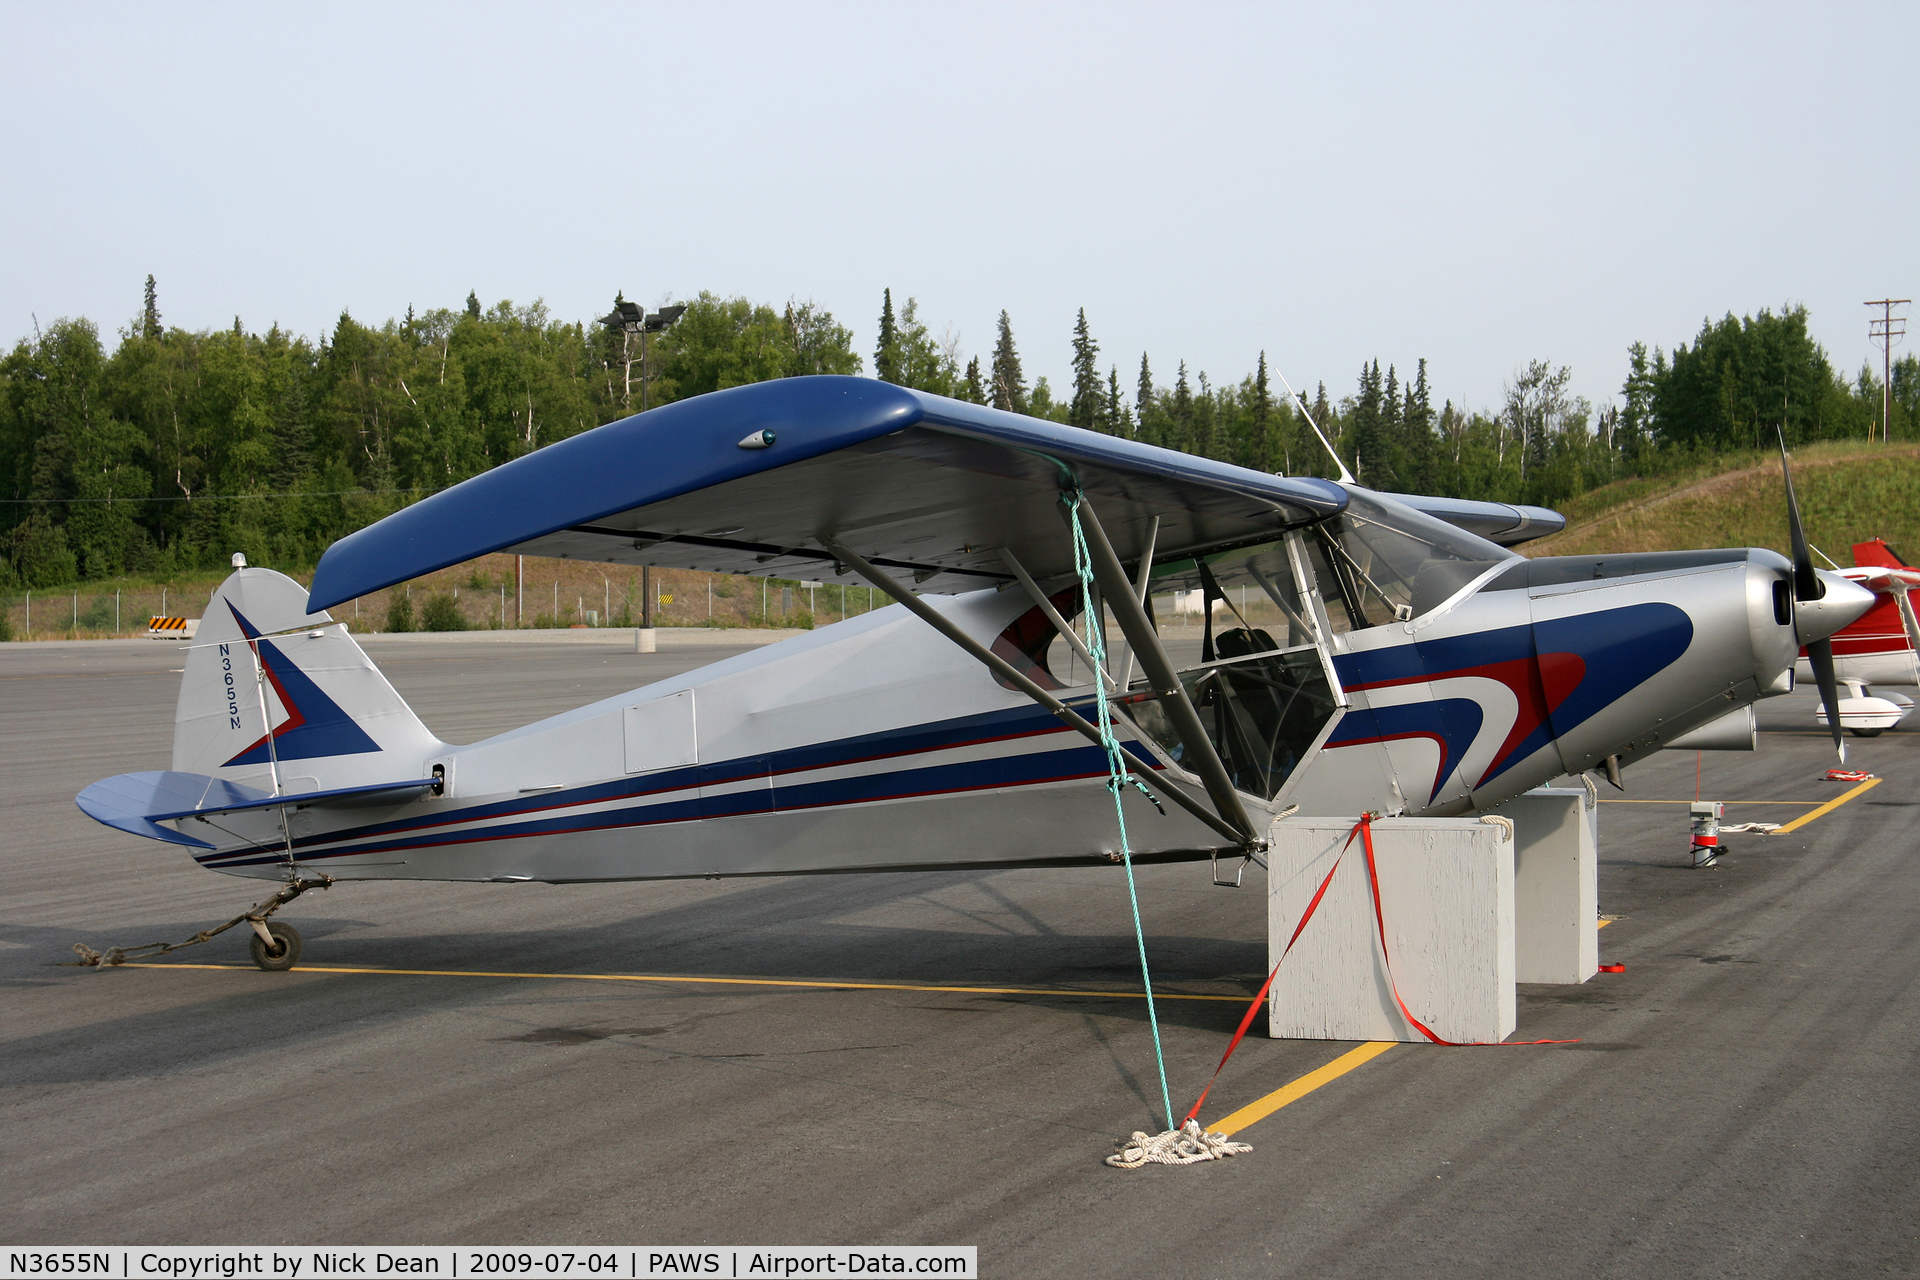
x=329, y=718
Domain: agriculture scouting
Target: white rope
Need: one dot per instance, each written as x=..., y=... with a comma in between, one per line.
x=1189, y=1144
x=1505, y=825
x=1758, y=828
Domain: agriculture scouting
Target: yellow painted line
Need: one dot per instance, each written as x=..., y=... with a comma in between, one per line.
x=1828, y=807
x=1800, y=802
x=730, y=982
x=1254, y=1112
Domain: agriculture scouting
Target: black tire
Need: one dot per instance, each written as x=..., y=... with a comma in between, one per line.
x=288, y=954
x=1866, y=733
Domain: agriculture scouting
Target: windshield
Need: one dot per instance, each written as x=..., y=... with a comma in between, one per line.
x=1380, y=561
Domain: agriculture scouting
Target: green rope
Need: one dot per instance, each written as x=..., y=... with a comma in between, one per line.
x=1119, y=777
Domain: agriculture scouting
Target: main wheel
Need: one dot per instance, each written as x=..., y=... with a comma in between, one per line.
x=1865, y=733
x=286, y=951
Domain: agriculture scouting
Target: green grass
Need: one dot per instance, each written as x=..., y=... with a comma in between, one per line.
x=1848, y=493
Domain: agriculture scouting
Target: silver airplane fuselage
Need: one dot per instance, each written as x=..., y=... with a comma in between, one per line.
x=877, y=744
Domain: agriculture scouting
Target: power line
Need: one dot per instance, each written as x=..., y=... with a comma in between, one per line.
x=1887, y=330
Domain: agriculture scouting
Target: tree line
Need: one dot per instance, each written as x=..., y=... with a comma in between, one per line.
x=1728, y=390
x=174, y=448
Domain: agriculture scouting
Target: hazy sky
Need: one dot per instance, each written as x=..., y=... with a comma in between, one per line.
x=1475, y=184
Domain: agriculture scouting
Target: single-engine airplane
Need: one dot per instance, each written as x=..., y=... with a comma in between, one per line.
x=1879, y=647
x=1414, y=662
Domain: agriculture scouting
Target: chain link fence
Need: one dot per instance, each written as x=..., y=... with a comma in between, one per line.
x=96, y=613
x=481, y=596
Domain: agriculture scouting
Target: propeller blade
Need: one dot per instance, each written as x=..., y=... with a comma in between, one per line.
x=1806, y=583
x=1820, y=658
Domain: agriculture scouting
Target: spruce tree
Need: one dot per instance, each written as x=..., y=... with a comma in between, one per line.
x=1009, y=383
x=473, y=304
x=1416, y=425
x=1143, y=404
x=886, y=356
x=1260, y=428
x=1451, y=433
x=1392, y=434
x=1363, y=429
x=1084, y=411
x=1115, y=423
x=1202, y=433
x=1637, y=418
x=1180, y=433
x=150, y=316
x=973, y=391
x=1322, y=415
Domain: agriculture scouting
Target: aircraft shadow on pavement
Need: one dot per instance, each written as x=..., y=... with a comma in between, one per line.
x=781, y=930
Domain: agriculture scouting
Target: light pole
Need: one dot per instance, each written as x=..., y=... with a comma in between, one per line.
x=630, y=318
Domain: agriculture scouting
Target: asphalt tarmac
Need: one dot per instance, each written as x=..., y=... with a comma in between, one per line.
x=1740, y=1102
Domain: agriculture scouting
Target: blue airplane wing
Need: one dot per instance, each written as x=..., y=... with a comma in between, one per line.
x=1507, y=524
x=748, y=480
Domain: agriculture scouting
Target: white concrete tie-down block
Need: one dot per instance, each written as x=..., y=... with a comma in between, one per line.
x=1446, y=888
x=1556, y=902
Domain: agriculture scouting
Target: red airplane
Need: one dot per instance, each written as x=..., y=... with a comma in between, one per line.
x=1877, y=649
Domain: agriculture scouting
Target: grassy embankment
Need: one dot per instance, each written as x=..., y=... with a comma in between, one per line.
x=1848, y=493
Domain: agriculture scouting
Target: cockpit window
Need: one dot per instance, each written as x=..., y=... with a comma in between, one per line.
x=1379, y=562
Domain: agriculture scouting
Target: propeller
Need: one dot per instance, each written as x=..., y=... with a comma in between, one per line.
x=1808, y=587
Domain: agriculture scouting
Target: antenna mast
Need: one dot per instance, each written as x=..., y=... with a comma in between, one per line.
x=1345, y=477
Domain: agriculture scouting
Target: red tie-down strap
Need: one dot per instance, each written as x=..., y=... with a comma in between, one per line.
x=1364, y=830
x=1247, y=1019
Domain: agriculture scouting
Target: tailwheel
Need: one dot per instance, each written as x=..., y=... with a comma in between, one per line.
x=284, y=952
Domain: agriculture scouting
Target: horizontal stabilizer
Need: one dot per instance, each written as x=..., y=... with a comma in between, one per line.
x=132, y=801
x=139, y=802
x=338, y=797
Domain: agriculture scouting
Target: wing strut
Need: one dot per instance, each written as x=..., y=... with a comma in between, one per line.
x=1006, y=671
x=1053, y=615
x=1158, y=668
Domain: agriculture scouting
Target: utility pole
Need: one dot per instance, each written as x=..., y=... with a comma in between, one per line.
x=1886, y=330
